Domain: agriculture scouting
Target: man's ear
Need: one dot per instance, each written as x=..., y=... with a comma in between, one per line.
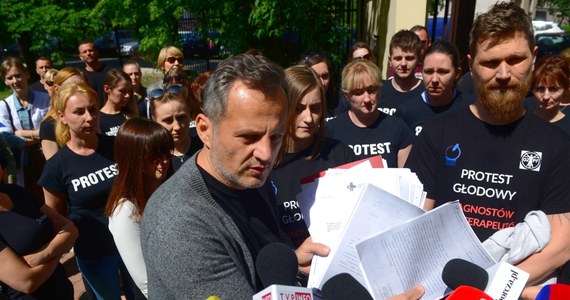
x=204, y=129
x=470, y=61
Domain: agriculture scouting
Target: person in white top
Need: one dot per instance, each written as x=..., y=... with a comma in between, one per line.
x=142, y=147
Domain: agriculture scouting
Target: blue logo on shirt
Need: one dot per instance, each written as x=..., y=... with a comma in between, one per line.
x=452, y=153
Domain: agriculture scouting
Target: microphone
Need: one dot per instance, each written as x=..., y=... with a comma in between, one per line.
x=276, y=263
x=557, y=291
x=458, y=272
x=501, y=281
x=465, y=292
x=276, y=266
x=344, y=286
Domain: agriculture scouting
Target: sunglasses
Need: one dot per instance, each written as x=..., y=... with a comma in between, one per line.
x=158, y=93
x=175, y=78
x=49, y=82
x=172, y=60
x=364, y=57
x=309, y=55
x=373, y=89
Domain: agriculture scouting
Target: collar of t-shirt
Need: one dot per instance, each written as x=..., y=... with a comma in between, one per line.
x=249, y=211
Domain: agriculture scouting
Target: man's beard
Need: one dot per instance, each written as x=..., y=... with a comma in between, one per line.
x=504, y=105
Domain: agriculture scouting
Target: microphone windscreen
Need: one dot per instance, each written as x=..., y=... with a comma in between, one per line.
x=468, y=293
x=344, y=286
x=557, y=291
x=462, y=272
x=276, y=263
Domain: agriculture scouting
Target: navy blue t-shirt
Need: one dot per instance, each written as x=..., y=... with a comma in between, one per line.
x=25, y=229
x=87, y=181
x=386, y=136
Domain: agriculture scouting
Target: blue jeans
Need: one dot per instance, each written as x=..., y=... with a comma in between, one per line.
x=102, y=275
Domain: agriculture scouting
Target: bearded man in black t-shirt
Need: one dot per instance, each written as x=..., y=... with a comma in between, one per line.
x=499, y=160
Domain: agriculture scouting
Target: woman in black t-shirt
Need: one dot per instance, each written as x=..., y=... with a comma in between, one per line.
x=119, y=104
x=77, y=181
x=305, y=150
x=169, y=108
x=33, y=237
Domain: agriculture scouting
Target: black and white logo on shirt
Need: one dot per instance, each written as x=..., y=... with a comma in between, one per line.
x=530, y=160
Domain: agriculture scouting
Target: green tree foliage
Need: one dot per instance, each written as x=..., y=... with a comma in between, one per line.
x=281, y=29
x=47, y=27
x=561, y=7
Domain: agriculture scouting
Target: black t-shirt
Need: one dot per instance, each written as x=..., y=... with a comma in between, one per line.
x=25, y=229
x=86, y=181
x=47, y=129
x=253, y=212
x=417, y=112
x=38, y=86
x=564, y=124
x=195, y=145
x=96, y=79
x=384, y=137
x=109, y=124
x=286, y=179
x=390, y=98
x=499, y=173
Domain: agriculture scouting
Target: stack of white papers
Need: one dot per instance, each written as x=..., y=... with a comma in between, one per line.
x=377, y=233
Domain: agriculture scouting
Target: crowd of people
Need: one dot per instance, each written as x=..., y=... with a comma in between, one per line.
x=171, y=191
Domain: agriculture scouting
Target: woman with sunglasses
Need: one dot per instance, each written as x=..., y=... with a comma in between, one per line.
x=319, y=62
x=305, y=150
x=168, y=58
x=47, y=127
x=142, y=154
x=169, y=108
x=360, y=50
x=119, y=104
x=364, y=128
x=47, y=81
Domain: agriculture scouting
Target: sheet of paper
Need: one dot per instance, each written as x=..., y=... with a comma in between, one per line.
x=376, y=210
x=416, y=252
x=327, y=207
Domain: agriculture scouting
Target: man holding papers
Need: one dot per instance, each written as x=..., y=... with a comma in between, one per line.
x=497, y=159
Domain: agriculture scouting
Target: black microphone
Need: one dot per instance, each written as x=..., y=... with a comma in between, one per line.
x=276, y=263
x=343, y=286
x=459, y=272
x=500, y=281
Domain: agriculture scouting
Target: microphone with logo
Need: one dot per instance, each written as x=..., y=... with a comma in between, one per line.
x=276, y=266
x=500, y=281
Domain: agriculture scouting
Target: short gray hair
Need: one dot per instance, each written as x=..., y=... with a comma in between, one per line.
x=255, y=71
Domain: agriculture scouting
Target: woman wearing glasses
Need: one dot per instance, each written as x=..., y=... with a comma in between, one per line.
x=169, y=107
x=319, y=62
x=168, y=58
x=142, y=154
x=119, y=104
x=364, y=128
x=47, y=127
